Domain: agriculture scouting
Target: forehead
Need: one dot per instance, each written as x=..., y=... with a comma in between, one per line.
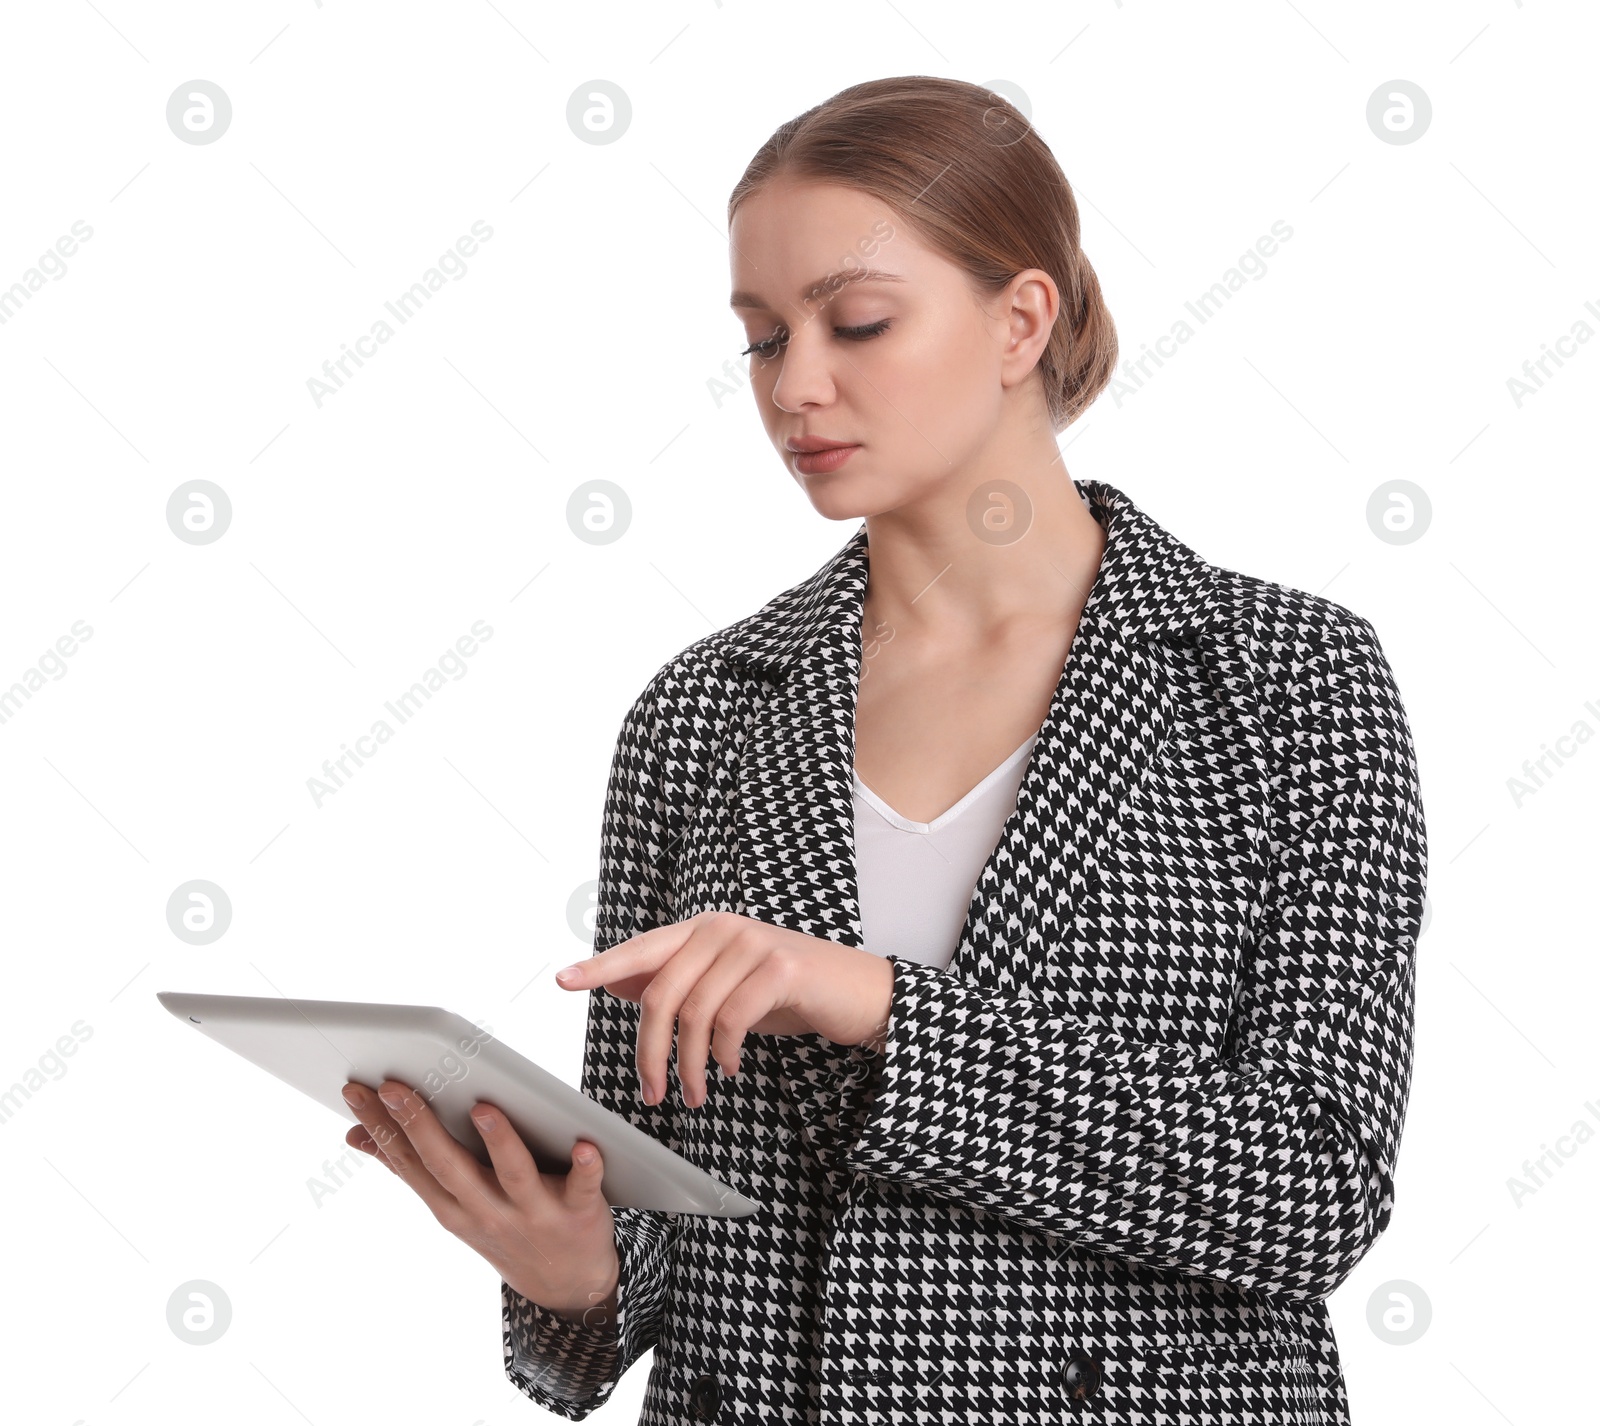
x=789, y=204
x=790, y=235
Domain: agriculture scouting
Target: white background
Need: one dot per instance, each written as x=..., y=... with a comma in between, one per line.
x=368, y=534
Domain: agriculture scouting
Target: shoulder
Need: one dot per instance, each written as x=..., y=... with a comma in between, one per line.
x=1322, y=682
x=681, y=721
x=1287, y=636
x=699, y=684
x=722, y=672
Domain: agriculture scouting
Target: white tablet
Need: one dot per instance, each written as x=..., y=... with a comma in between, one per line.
x=319, y=1046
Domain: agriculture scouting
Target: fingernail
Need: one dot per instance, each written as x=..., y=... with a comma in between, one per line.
x=584, y=1155
x=484, y=1119
x=391, y=1097
x=567, y=975
x=352, y=1096
x=645, y=1092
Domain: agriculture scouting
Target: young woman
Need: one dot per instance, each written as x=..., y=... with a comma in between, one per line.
x=1021, y=909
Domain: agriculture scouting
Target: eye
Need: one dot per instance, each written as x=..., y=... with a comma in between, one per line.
x=768, y=349
x=863, y=334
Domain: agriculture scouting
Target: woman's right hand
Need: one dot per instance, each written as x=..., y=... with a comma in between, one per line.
x=550, y=1236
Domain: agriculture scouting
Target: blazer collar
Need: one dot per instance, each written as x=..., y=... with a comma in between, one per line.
x=1150, y=586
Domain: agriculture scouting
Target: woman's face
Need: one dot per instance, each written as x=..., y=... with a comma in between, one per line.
x=904, y=363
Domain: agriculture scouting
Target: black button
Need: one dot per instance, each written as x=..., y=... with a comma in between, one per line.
x=705, y=1396
x=1081, y=1376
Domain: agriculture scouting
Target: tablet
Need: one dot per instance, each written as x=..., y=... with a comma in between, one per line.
x=318, y=1046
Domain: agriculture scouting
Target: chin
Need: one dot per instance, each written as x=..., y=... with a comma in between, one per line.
x=843, y=502
x=839, y=509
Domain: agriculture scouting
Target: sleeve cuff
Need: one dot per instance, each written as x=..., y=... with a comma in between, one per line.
x=884, y=1100
x=567, y=1367
x=538, y=1333
x=571, y=1368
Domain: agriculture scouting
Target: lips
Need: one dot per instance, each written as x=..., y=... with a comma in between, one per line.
x=809, y=445
x=824, y=458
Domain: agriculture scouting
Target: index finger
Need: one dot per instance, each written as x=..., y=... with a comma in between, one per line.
x=648, y=951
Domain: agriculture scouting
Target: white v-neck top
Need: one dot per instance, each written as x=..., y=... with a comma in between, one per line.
x=916, y=878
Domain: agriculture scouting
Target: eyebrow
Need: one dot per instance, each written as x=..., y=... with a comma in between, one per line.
x=860, y=274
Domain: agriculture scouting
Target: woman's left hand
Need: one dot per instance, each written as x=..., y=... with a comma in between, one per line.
x=719, y=976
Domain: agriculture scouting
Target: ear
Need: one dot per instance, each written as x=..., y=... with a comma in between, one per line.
x=1030, y=304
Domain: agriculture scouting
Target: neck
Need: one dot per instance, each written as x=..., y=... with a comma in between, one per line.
x=947, y=578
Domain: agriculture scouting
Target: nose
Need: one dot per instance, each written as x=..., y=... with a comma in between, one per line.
x=805, y=373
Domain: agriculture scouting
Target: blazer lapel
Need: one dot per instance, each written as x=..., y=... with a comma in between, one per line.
x=796, y=819
x=1110, y=712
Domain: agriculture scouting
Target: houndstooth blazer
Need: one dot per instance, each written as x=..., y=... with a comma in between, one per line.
x=1111, y=1162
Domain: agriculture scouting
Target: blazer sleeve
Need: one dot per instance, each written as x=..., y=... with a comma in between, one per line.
x=570, y=1367
x=1269, y=1166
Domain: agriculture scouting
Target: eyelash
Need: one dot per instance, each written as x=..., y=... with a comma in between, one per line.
x=854, y=334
